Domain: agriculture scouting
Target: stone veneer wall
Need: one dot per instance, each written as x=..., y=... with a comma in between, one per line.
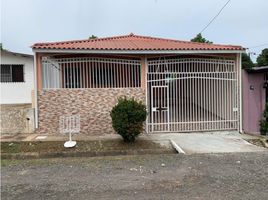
x=16, y=118
x=93, y=105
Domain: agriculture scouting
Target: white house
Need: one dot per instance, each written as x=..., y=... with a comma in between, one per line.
x=16, y=97
x=17, y=78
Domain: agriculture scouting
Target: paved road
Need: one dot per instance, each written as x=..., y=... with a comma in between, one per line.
x=203, y=176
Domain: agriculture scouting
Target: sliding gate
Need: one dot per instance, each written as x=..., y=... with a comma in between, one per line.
x=192, y=94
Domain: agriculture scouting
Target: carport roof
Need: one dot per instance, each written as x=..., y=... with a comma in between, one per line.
x=133, y=42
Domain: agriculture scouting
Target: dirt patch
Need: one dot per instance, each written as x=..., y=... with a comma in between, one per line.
x=82, y=146
x=259, y=142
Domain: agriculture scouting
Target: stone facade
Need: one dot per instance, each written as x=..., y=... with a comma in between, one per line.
x=92, y=104
x=17, y=118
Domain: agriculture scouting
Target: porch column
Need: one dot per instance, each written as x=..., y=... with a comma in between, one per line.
x=38, y=65
x=143, y=72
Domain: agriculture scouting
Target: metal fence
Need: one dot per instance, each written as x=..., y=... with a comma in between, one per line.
x=192, y=94
x=88, y=72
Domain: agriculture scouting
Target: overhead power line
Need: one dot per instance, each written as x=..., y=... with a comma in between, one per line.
x=215, y=16
x=260, y=45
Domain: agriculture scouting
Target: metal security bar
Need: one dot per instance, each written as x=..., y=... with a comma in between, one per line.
x=88, y=72
x=11, y=73
x=196, y=94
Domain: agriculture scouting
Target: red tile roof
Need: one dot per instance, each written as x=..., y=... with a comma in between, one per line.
x=133, y=42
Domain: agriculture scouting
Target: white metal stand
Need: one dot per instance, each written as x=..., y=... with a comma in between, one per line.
x=70, y=143
x=70, y=125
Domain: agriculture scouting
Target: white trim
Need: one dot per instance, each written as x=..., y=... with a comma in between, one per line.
x=177, y=147
x=135, y=51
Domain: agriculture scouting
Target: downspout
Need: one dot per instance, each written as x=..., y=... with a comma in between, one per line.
x=240, y=94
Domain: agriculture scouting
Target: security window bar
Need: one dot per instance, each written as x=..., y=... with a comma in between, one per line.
x=12, y=73
x=91, y=73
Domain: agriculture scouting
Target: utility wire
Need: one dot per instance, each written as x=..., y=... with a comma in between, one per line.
x=215, y=16
x=261, y=45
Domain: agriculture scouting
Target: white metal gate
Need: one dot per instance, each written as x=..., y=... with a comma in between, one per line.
x=192, y=94
x=160, y=108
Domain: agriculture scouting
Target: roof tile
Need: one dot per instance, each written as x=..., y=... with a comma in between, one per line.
x=133, y=42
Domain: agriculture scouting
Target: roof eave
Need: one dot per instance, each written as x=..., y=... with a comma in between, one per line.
x=262, y=69
x=17, y=54
x=104, y=51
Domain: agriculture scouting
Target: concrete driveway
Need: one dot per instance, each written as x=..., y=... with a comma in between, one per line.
x=216, y=142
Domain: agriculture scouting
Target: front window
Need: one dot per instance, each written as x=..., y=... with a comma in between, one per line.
x=12, y=73
x=91, y=73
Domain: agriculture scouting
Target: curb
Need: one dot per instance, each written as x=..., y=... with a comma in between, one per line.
x=177, y=147
x=37, y=155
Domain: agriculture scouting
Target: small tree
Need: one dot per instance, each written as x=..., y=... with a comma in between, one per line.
x=264, y=121
x=92, y=37
x=201, y=39
x=128, y=117
x=246, y=61
x=262, y=59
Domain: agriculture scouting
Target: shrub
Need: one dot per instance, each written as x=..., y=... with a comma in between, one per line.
x=264, y=121
x=128, y=117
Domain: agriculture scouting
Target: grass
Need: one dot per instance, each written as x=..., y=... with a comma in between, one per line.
x=82, y=146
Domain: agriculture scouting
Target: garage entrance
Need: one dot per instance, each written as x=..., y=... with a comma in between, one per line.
x=192, y=94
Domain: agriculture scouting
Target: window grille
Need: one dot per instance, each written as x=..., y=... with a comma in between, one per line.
x=12, y=73
x=91, y=73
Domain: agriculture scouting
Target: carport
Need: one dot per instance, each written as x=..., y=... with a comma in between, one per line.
x=192, y=94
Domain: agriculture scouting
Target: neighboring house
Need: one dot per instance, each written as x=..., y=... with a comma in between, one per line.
x=16, y=86
x=255, y=95
x=186, y=86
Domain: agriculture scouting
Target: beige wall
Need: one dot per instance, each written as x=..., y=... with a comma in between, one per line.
x=16, y=118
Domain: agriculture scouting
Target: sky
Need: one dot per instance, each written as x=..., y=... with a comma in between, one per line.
x=25, y=22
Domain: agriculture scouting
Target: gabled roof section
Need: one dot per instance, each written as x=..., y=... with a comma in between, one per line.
x=133, y=42
x=16, y=53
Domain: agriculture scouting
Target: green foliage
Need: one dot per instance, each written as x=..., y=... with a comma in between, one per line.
x=92, y=37
x=262, y=59
x=201, y=39
x=1, y=46
x=246, y=61
x=264, y=121
x=128, y=117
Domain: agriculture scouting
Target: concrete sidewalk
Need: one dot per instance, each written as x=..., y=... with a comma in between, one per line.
x=214, y=142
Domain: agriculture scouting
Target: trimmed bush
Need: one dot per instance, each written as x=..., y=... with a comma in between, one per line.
x=128, y=117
